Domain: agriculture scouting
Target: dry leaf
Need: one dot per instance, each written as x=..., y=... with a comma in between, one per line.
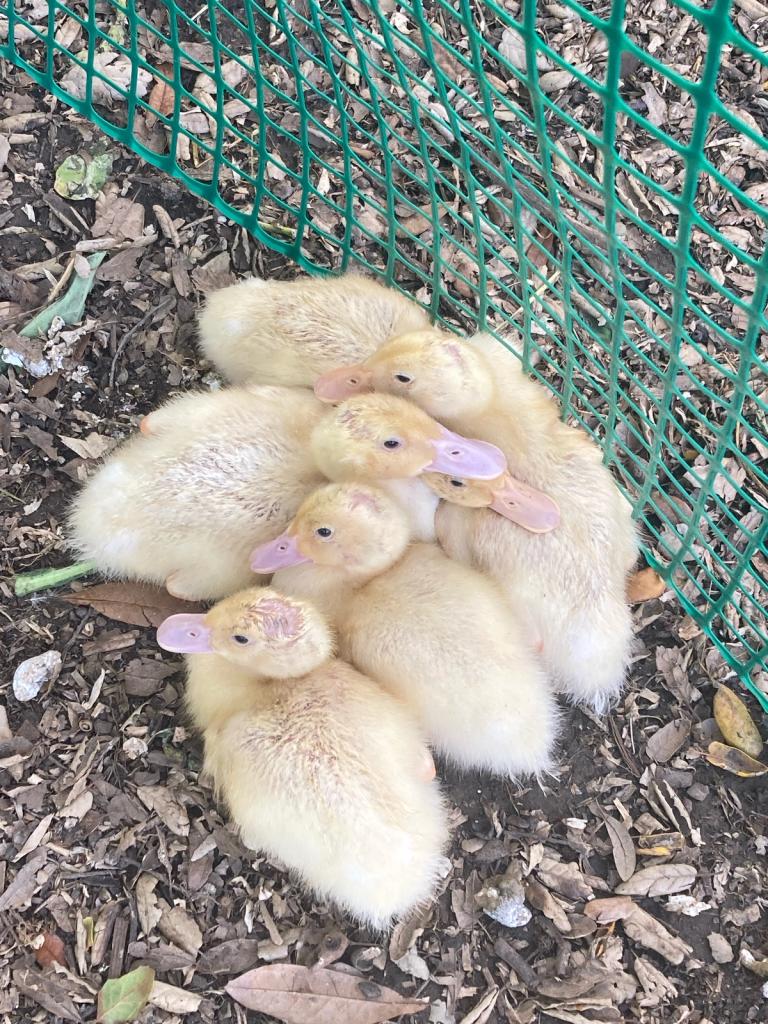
x=722, y=951
x=564, y=878
x=735, y=761
x=138, y=604
x=122, y=999
x=660, y=844
x=179, y=928
x=173, y=999
x=659, y=880
x=543, y=900
x=162, y=801
x=612, y=908
x=482, y=1010
x=644, y=929
x=162, y=96
x=735, y=722
x=331, y=948
x=93, y=446
x=624, y=856
x=758, y=967
x=301, y=995
x=51, y=950
x=644, y=586
x=666, y=741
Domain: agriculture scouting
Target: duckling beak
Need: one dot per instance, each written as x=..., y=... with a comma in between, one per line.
x=185, y=634
x=279, y=553
x=524, y=505
x=336, y=385
x=458, y=456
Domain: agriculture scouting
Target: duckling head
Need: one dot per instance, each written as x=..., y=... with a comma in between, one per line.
x=440, y=373
x=385, y=437
x=258, y=629
x=534, y=510
x=352, y=527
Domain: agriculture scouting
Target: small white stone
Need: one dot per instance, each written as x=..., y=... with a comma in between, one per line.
x=510, y=912
x=32, y=675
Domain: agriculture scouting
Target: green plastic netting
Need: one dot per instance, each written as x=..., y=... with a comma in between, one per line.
x=591, y=178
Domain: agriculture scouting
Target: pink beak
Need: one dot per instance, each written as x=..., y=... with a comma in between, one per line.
x=459, y=456
x=280, y=553
x=185, y=634
x=337, y=385
x=529, y=508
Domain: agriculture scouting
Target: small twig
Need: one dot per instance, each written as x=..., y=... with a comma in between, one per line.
x=148, y=317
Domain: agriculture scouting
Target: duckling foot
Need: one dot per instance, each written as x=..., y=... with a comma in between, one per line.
x=428, y=770
x=145, y=427
x=184, y=589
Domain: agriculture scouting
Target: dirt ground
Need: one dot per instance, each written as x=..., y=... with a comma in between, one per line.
x=110, y=841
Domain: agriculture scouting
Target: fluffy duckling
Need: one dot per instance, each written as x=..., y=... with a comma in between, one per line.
x=567, y=583
x=289, y=332
x=318, y=765
x=214, y=474
x=435, y=633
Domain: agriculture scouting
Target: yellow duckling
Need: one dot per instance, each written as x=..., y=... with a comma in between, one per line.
x=183, y=503
x=566, y=569
x=435, y=633
x=318, y=766
x=289, y=332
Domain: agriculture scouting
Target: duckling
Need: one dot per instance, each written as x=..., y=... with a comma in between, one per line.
x=567, y=582
x=214, y=474
x=435, y=633
x=289, y=332
x=318, y=765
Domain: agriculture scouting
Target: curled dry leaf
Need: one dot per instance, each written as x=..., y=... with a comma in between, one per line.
x=612, y=908
x=660, y=844
x=735, y=722
x=659, y=880
x=162, y=95
x=644, y=586
x=138, y=604
x=543, y=900
x=666, y=741
x=122, y=999
x=735, y=761
x=301, y=995
x=564, y=878
x=624, y=856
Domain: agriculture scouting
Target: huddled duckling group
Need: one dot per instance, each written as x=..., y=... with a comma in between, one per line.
x=445, y=555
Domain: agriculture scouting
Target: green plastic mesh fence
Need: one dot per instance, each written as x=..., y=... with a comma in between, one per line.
x=592, y=179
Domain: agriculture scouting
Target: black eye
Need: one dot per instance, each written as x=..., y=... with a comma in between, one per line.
x=392, y=442
x=403, y=378
x=457, y=483
x=240, y=639
x=324, y=531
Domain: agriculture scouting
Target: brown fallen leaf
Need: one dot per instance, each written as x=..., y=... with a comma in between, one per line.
x=51, y=950
x=162, y=94
x=542, y=899
x=564, y=878
x=659, y=880
x=611, y=908
x=173, y=999
x=331, y=948
x=644, y=929
x=735, y=761
x=301, y=995
x=624, y=856
x=735, y=722
x=138, y=604
x=666, y=741
x=645, y=585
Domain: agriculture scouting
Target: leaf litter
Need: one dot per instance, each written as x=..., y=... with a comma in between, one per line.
x=587, y=953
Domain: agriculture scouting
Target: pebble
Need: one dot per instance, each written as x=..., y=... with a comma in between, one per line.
x=510, y=912
x=32, y=675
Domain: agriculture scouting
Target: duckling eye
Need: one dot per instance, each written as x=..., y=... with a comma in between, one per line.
x=457, y=483
x=403, y=378
x=392, y=443
x=240, y=639
x=324, y=531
